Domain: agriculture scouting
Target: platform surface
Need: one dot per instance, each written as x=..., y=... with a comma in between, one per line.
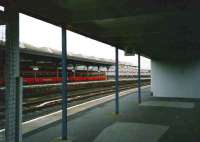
x=174, y=104
x=152, y=124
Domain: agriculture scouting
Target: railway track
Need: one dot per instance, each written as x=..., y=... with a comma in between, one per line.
x=34, y=107
x=37, y=105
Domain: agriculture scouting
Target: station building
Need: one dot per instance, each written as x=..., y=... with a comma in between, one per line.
x=166, y=31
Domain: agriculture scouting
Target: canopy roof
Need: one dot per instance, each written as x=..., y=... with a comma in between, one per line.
x=159, y=29
x=46, y=53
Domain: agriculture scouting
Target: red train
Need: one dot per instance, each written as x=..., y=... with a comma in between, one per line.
x=55, y=76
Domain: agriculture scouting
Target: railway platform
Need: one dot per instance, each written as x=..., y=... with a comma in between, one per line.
x=154, y=120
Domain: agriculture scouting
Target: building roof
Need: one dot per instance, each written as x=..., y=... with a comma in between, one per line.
x=46, y=51
x=49, y=52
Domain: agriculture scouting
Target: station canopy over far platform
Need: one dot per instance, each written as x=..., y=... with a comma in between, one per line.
x=43, y=52
x=79, y=58
x=158, y=29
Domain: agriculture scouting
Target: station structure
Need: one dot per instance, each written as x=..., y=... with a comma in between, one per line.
x=166, y=31
x=36, y=55
x=37, y=59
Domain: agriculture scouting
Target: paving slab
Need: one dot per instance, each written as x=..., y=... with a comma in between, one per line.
x=131, y=132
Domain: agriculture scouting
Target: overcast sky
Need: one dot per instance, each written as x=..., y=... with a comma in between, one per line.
x=42, y=34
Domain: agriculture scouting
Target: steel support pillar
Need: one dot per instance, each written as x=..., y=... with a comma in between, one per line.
x=19, y=101
x=64, y=85
x=12, y=72
x=57, y=72
x=74, y=68
x=107, y=70
x=117, y=80
x=139, y=80
x=88, y=70
x=98, y=71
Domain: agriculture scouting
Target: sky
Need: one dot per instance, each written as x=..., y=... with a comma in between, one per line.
x=42, y=34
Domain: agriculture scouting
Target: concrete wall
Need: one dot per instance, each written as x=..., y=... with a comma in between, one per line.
x=176, y=79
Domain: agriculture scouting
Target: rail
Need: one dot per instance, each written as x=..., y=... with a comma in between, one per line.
x=35, y=107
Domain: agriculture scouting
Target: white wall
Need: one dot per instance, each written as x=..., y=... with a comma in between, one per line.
x=176, y=79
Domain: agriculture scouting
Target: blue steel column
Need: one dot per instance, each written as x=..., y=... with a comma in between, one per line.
x=64, y=85
x=117, y=80
x=139, y=80
x=11, y=70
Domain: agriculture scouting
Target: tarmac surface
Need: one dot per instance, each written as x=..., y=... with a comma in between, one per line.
x=135, y=123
